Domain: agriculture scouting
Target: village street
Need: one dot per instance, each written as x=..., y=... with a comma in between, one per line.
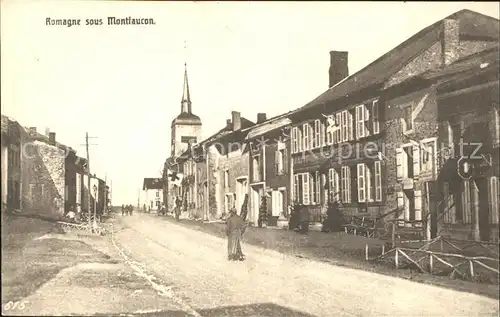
x=192, y=265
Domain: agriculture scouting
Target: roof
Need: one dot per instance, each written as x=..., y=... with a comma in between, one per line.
x=472, y=24
x=35, y=136
x=475, y=62
x=152, y=183
x=268, y=126
x=187, y=119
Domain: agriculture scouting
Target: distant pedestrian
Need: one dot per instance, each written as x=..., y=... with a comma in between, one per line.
x=131, y=209
x=235, y=226
x=123, y=210
x=177, y=209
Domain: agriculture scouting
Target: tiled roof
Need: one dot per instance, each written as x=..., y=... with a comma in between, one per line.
x=472, y=24
x=152, y=183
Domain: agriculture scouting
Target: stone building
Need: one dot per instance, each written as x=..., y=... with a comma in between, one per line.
x=354, y=159
x=216, y=171
x=269, y=168
x=420, y=116
x=11, y=139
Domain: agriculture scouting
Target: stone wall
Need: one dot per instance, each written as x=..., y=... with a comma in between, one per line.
x=43, y=178
x=425, y=126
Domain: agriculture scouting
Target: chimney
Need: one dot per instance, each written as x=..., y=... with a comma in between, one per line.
x=451, y=41
x=52, y=137
x=338, y=67
x=236, y=120
x=32, y=130
x=47, y=132
x=261, y=117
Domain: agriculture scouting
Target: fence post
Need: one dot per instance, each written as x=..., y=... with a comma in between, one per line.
x=393, y=234
x=431, y=260
x=383, y=249
x=366, y=252
x=471, y=264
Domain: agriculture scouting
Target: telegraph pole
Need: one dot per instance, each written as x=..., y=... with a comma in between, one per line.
x=138, y=196
x=88, y=175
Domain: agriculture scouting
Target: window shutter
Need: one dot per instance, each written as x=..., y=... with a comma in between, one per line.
x=378, y=181
x=401, y=204
x=300, y=146
x=350, y=126
x=338, y=131
x=368, y=184
x=361, y=183
x=416, y=160
x=418, y=205
x=318, y=188
x=494, y=200
x=295, y=187
x=321, y=133
x=305, y=188
x=360, y=122
x=317, y=133
x=294, y=139
x=375, y=117
x=399, y=163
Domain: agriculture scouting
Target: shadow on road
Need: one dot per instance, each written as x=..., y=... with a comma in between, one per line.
x=261, y=310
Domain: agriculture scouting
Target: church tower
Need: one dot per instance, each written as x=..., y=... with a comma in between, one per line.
x=186, y=127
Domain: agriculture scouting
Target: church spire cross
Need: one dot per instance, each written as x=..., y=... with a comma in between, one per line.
x=186, y=98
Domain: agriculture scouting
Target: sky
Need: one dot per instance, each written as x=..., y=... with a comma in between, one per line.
x=123, y=84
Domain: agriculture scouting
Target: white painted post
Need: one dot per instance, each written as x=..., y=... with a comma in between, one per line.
x=383, y=249
x=366, y=252
x=396, y=259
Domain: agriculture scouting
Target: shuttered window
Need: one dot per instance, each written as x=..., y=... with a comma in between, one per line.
x=333, y=179
x=345, y=175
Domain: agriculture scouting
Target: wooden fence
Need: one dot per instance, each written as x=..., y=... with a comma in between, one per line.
x=464, y=263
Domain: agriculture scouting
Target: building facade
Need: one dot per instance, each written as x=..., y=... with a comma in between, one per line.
x=153, y=194
x=269, y=168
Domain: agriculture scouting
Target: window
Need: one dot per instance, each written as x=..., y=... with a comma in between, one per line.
x=280, y=161
x=407, y=163
x=375, y=117
x=378, y=180
x=317, y=193
x=364, y=182
x=361, y=119
x=407, y=118
x=345, y=176
x=333, y=184
x=305, y=188
x=317, y=140
x=345, y=126
x=295, y=140
x=307, y=137
x=427, y=159
x=337, y=133
x=157, y=194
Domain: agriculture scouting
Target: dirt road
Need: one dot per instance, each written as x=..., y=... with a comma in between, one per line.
x=194, y=265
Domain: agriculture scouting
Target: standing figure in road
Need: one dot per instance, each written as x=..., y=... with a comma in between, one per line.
x=234, y=231
x=177, y=209
x=123, y=210
x=304, y=220
x=131, y=208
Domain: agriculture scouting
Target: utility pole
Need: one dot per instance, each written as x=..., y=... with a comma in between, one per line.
x=138, y=196
x=105, y=207
x=88, y=175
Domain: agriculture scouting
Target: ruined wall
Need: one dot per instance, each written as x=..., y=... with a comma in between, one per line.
x=425, y=126
x=43, y=178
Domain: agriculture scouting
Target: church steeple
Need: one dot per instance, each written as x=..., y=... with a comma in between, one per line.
x=186, y=98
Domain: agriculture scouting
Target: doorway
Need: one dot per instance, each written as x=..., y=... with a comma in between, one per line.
x=257, y=193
